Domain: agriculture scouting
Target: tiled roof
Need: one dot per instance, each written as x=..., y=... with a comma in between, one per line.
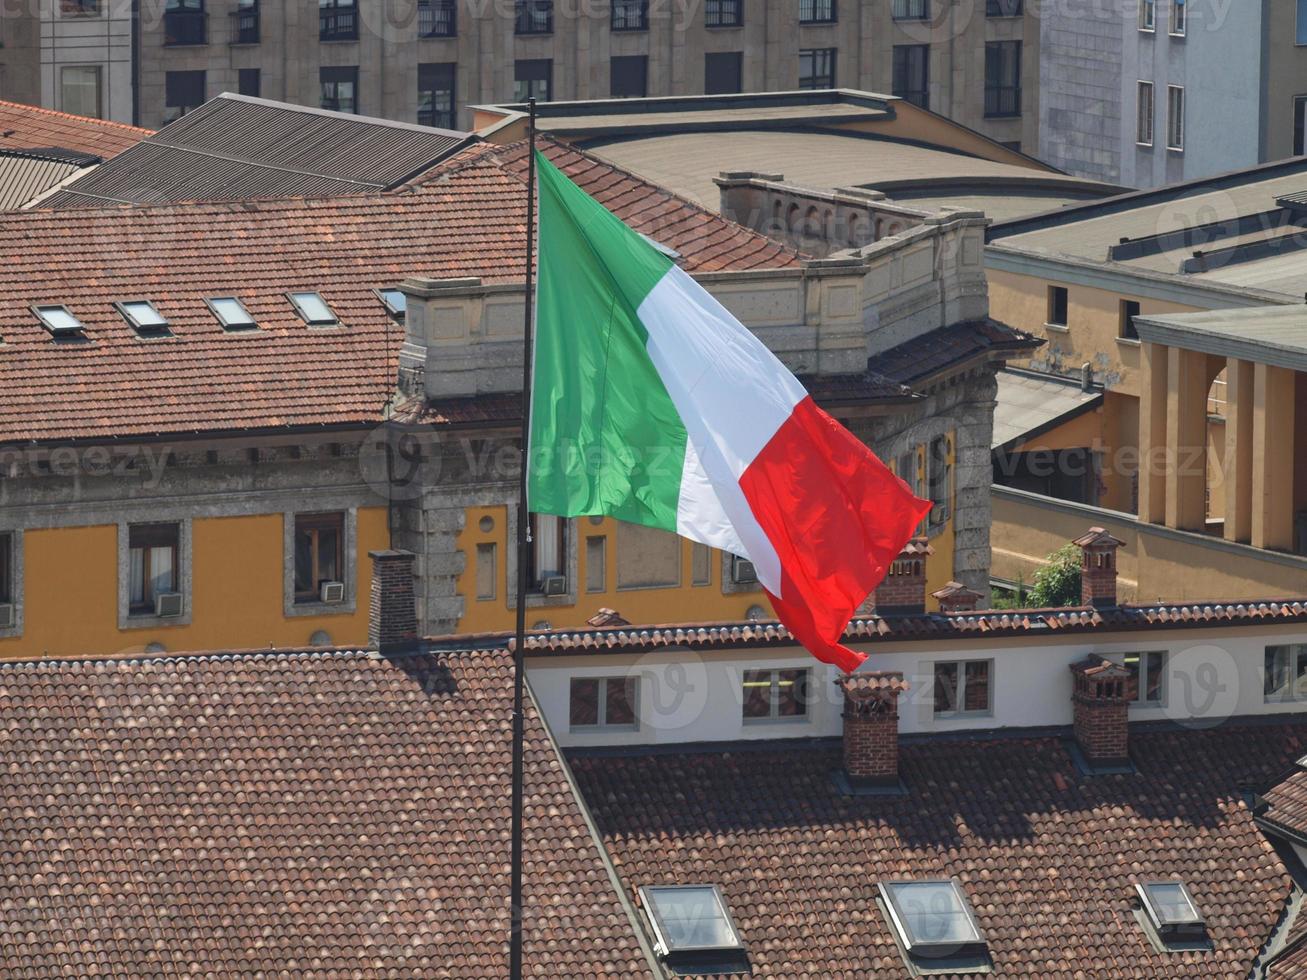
x=288, y=814
x=927, y=626
x=1286, y=803
x=29, y=127
x=466, y=219
x=1290, y=964
x=1047, y=857
x=946, y=347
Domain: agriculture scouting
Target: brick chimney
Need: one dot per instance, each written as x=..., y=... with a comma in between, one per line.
x=1100, y=707
x=392, y=611
x=1098, y=567
x=903, y=590
x=956, y=597
x=871, y=727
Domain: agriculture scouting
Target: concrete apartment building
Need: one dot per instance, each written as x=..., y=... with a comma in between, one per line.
x=427, y=60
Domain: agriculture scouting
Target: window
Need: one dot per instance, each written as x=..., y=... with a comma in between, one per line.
x=79, y=8
x=1286, y=672
x=723, y=13
x=6, y=570
x=816, y=11
x=231, y=313
x=1002, y=78
x=1146, y=684
x=143, y=316
x=912, y=73
x=933, y=919
x=911, y=10
x=249, y=81
x=152, y=557
x=689, y=919
x=534, y=17
x=1003, y=8
x=436, y=95
x=533, y=79
x=700, y=564
x=1179, y=18
x=185, y=22
x=1302, y=22
x=1126, y=328
x=79, y=91
x=1144, y=114
x=339, y=89
x=647, y=557
x=1171, y=911
x=338, y=20
x=487, y=571
x=596, y=563
x=940, y=464
x=1299, y=125
x=183, y=92
x=313, y=309
x=817, y=68
x=773, y=695
x=962, y=687
x=723, y=73
x=547, y=556
x=395, y=301
x=59, y=320
x=630, y=15
x=602, y=702
x=1174, y=117
x=319, y=554
x=437, y=18
x=1147, y=15
x=1057, y=306
x=629, y=76
x=245, y=25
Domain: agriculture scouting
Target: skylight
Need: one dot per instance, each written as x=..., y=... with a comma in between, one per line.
x=395, y=301
x=1171, y=911
x=142, y=315
x=231, y=313
x=314, y=309
x=59, y=320
x=689, y=919
x=931, y=917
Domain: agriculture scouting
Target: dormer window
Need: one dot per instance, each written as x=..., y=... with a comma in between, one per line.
x=59, y=320
x=1171, y=914
x=313, y=309
x=395, y=302
x=231, y=313
x=144, y=318
x=934, y=925
x=692, y=929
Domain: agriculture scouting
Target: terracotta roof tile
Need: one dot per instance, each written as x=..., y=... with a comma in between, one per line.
x=1047, y=858
x=33, y=127
x=1287, y=804
x=287, y=814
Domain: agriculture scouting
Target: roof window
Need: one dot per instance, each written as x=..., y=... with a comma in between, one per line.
x=395, y=301
x=1172, y=916
x=59, y=320
x=935, y=926
x=314, y=309
x=692, y=928
x=231, y=313
x=143, y=317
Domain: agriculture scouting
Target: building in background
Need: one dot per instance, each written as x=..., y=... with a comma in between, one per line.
x=427, y=60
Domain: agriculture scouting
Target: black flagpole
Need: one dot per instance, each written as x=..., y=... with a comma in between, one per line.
x=523, y=538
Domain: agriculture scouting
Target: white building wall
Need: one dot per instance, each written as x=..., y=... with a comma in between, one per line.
x=1212, y=675
x=103, y=41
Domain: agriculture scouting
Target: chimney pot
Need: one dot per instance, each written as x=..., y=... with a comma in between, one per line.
x=956, y=597
x=1098, y=568
x=392, y=611
x=871, y=727
x=903, y=590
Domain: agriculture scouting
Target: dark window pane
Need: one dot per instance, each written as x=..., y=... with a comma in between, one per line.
x=533, y=79
x=329, y=555
x=6, y=568
x=911, y=10
x=912, y=73
x=629, y=77
x=1003, y=78
x=1003, y=8
x=946, y=687
x=304, y=581
x=630, y=15
x=339, y=89
x=534, y=17
x=1129, y=310
x=437, y=18
x=184, y=90
x=338, y=20
x=1131, y=662
x=757, y=694
x=723, y=13
x=245, y=26
x=584, y=705
x=619, y=708
x=816, y=11
x=723, y=73
x=250, y=82
x=791, y=693
x=436, y=95
x=1153, y=689
x=816, y=68
x=976, y=689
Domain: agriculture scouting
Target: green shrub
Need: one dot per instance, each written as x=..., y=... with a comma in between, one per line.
x=1057, y=583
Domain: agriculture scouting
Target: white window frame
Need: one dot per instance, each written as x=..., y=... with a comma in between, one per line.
x=1140, y=701
x=99, y=72
x=603, y=724
x=1174, y=118
x=960, y=694
x=1294, y=652
x=1180, y=16
x=773, y=717
x=1140, y=117
x=1148, y=16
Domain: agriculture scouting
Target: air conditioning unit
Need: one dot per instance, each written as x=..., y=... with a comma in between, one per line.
x=554, y=585
x=168, y=605
x=7, y=616
x=333, y=592
x=939, y=514
x=743, y=572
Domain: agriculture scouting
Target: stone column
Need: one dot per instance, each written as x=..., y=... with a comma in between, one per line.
x=1272, y=458
x=1152, y=434
x=1238, y=473
x=1186, y=439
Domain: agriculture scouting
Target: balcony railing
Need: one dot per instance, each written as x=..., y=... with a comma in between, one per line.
x=816, y=11
x=1002, y=100
x=534, y=17
x=630, y=15
x=338, y=24
x=245, y=25
x=723, y=13
x=185, y=27
x=437, y=18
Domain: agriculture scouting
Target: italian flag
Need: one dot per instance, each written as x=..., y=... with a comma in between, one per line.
x=652, y=404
